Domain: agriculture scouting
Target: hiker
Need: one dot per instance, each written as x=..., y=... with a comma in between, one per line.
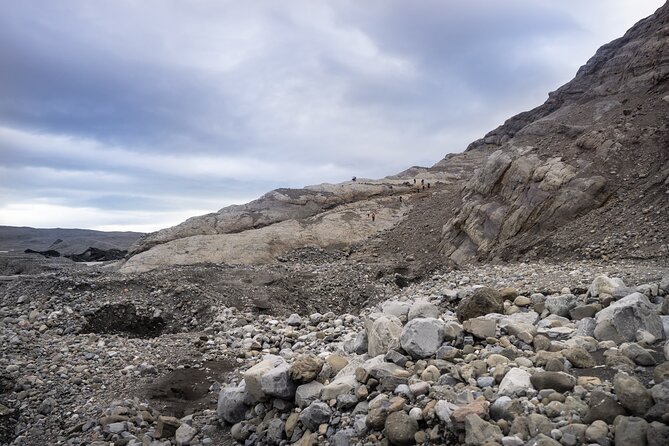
x=428, y=185
x=414, y=181
x=400, y=198
x=423, y=187
x=422, y=182
x=373, y=216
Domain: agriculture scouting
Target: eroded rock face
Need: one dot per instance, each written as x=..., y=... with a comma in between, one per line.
x=552, y=165
x=513, y=193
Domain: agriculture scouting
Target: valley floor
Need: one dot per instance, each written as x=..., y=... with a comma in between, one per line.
x=91, y=356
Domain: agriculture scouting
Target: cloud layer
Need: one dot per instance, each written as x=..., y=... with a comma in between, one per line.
x=122, y=114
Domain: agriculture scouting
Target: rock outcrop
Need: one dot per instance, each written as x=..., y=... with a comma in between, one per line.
x=598, y=143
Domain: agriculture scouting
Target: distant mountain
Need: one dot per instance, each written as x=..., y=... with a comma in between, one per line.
x=65, y=241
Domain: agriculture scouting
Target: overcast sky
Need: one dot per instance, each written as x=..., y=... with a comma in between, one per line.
x=134, y=115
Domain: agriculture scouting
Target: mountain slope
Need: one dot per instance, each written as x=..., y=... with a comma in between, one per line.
x=584, y=174
x=589, y=166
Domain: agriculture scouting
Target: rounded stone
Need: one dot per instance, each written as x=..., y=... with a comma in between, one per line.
x=400, y=429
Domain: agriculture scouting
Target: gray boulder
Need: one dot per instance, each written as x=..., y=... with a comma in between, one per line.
x=389, y=375
x=515, y=382
x=233, y=402
x=277, y=382
x=253, y=376
x=478, y=431
x=664, y=283
x=396, y=308
x=630, y=431
x=307, y=393
x=423, y=308
x=561, y=305
x=316, y=414
x=400, y=429
x=422, y=337
x=632, y=395
x=383, y=334
x=621, y=320
x=605, y=285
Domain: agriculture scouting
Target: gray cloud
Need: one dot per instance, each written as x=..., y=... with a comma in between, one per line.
x=172, y=107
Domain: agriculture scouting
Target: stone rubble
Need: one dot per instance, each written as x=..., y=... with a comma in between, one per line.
x=524, y=375
x=408, y=370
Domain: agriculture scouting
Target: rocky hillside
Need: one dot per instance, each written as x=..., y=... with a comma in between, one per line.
x=587, y=172
x=331, y=216
x=584, y=174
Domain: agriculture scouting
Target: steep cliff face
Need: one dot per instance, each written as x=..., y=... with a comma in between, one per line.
x=579, y=168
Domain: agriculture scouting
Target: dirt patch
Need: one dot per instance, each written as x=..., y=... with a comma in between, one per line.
x=185, y=391
x=123, y=319
x=606, y=373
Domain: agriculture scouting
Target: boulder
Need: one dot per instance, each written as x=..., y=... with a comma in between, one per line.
x=630, y=431
x=452, y=331
x=605, y=285
x=515, y=383
x=184, y=434
x=660, y=395
x=422, y=309
x=657, y=433
x=307, y=393
x=597, y=432
x=632, y=395
x=277, y=383
x=480, y=302
x=389, y=375
x=664, y=283
x=579, y=357
x=558, y=381
x=638, y=354
x=621, y=320
x=166, y=427
x=661, y=372
x=422, y=337
x=294, y=320
x=275, y=431
x=233, y=402
x=305, y=368
x=397, y=308
x=479, y=432
x=400, y=429
x=316, y=414
x=481, y=327
x=253, y=376
x=383, y=334
x=561, y=305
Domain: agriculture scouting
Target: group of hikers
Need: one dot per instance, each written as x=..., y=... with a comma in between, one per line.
x=422, y=186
